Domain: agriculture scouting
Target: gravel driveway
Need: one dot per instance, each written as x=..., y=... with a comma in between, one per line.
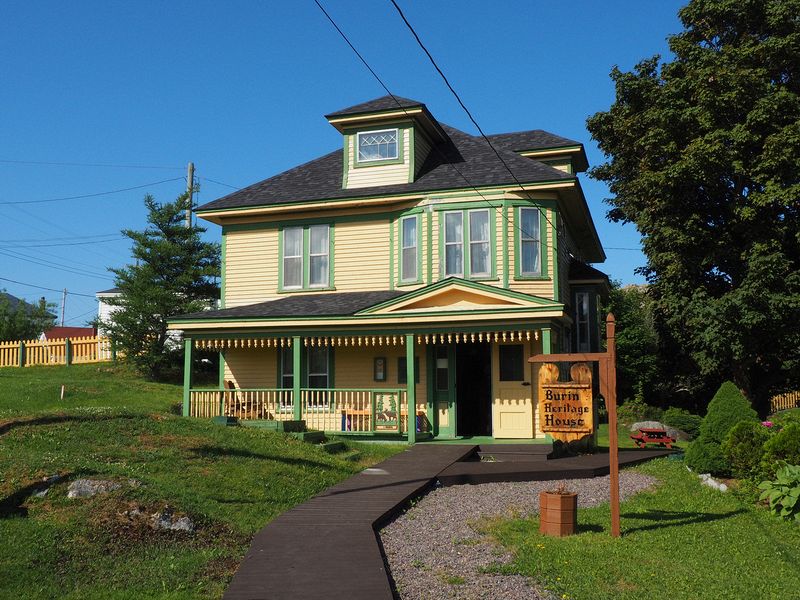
x=434, y=552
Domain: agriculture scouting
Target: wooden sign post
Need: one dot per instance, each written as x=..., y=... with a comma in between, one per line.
x=568, y=407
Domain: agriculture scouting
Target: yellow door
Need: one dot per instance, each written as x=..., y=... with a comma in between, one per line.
x=512, y=402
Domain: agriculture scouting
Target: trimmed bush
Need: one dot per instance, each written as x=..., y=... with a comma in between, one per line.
x=635, y=410
x=783, y=446
x=682, y=419
x=727, y=408
x=704, y=456
x=785, y=417
x=743, y=449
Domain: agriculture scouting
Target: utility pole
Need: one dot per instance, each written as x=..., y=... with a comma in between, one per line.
x=190, y=191
x=63, y=305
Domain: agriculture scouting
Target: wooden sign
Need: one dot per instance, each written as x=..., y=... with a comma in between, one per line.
x=565, y=407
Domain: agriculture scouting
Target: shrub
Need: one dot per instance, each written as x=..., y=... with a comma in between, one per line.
x=705, y=456
x=783, y=492
x=783, y=446
x=726, y=409
x=635, y=410
x=682, y=419
x=743, y=449
x=783, y=418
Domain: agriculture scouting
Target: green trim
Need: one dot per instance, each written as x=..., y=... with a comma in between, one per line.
x=67, y=352
x=306, y=260
x=187, y=374
x=475, y=205
x=429, y=248
x=430, y=387
x=391, y=254
x=345, y=160
x=401, y=134
x=505, y=245
x=22, y=355
x=543, y=253
x=400, y=281
x=297, y=408
x=221, y=369
x=411, y=390
x=465, y=240
x=556, y=282
x=546, y=343
x=223, y=266
x=501, y=188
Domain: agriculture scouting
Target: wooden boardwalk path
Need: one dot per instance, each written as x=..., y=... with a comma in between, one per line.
x=328, y=547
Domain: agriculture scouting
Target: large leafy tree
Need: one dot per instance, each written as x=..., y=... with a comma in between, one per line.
x=704, y=158
x=20, y=320
x=174, y=273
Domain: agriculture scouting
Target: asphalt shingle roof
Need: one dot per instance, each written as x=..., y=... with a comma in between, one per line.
x=335, y=304
x=530, y=140
x=376, y=105
x=475, y=165
x=581, y=271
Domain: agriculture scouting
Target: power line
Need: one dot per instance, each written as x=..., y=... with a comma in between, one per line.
x=136, y=187
x=52, y=265
x=39, y=287
x=59, y=239
x=93, y=310
x=466, y=110
x=613, y=248
x=221, y=183
x=117, y=239
x=445, y=160
x=79, y=164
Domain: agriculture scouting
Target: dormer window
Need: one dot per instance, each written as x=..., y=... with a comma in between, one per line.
x=377, y=145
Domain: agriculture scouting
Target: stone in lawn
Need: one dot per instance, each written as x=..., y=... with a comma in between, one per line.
x=87, y=488
x=47, y=483
x=166, y=519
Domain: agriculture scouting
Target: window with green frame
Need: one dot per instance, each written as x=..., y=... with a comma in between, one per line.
x=468, y=244
x=530, y=253
x=410, y=241
x=306, y=260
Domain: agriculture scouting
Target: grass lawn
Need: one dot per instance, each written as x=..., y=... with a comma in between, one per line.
x=681, y=541
x=112, y=425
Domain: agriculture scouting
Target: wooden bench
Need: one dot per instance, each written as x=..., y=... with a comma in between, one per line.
x=649, y=435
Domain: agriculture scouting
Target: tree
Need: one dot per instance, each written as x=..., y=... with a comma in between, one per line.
x=20, y=320
x=173, y=274
x=704, y=156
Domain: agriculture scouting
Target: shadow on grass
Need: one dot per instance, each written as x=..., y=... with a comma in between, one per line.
x=227, y=452
x=589, y=528
x=52, y=419
x=12, y=505
x=672, y=518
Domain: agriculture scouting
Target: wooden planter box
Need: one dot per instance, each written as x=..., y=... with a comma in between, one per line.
x=558, y=514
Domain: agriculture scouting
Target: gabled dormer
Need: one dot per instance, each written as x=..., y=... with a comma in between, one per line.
x=385, y=141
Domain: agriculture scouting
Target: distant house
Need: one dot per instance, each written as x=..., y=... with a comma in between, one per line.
x=15, y=304
x=59, y=333
x=104, y=309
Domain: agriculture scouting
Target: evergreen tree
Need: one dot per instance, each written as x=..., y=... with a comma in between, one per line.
x=174, y=273
x=704, y=156
x=24, y=321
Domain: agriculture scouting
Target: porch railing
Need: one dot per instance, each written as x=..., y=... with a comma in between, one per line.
x=261, y=403
x=354, y=410
x=345, y=410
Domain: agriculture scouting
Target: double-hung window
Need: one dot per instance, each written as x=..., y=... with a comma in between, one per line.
x=409, y=250
x=377, y=145
x=530, y=246
x=306, y=260
x=467, y=250
x=582, y=328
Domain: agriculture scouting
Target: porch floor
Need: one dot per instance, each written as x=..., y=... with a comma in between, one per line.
x=328, y=547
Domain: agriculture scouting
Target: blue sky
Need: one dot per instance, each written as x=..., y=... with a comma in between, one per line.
x=240, y=88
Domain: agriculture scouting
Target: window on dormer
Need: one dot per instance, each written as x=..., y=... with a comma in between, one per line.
x=377, y=145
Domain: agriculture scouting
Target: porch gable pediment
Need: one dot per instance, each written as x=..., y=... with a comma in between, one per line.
x=458, y=295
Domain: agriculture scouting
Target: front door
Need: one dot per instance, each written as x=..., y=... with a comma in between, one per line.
x=444, y=390
x=474, y=389
x=512, y=405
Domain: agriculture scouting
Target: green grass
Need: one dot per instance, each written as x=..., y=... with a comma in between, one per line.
x=681, y=541
x=111, y=425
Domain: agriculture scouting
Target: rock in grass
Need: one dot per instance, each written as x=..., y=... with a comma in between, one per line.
x=47, y=483
x=166, y=519
x=87, y=488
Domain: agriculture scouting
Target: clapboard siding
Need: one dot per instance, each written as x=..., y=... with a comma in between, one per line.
x=536, y=287
x=251, y=266
x=374, y=175
x=251, y=367
x=361, y=256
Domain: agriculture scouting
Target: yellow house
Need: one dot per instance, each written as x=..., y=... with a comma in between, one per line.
x=413, y=271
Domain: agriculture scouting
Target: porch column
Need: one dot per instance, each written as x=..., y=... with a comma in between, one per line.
x=411, y=390
x=296, y=404
x=187, y=374
x=547, y=347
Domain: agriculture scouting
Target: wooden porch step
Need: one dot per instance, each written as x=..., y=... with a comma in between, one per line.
x=515, y=452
